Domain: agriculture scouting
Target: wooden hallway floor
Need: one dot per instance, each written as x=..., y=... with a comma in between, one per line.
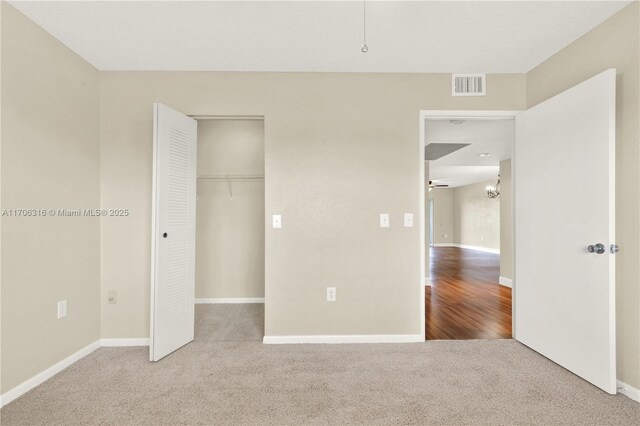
x=465, y=300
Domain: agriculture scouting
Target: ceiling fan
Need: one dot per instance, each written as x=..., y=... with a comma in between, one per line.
x=433, y=185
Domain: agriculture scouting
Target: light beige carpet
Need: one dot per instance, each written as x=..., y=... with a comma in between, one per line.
x=245, y=382
x=229, y=322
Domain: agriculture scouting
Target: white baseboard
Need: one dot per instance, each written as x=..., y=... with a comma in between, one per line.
x=140, y=341
x=629, y=391
x=427, y=281
x=507, y=282
x=478, y=248
x=442, y=245
x=231, y=300
x=351, y=338
x=45, y=375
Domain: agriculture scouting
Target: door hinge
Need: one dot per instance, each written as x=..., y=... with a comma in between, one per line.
x=613, y=248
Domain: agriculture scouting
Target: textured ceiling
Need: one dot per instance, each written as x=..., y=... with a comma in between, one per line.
x=427, y=36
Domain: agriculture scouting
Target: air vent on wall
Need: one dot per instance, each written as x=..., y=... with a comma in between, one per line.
x=468, y=85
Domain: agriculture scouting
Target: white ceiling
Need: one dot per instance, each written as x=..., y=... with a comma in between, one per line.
x=464, y=167
x=418, y=36
x=462, y=175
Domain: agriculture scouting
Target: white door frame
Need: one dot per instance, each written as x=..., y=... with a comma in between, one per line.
x=432, y=213
x=455, y=115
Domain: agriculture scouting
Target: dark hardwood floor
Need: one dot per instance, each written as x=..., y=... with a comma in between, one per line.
x=465, y=300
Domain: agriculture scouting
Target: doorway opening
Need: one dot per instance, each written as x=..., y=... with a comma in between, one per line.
x=230, y=229
x=563, y=282
x=207, y=241
x=468, y=190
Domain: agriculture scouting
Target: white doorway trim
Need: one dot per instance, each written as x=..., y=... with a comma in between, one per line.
x=452, y=115
x=468, y=114
x=431, y=222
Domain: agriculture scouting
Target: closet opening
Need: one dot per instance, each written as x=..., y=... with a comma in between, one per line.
x=230, y=229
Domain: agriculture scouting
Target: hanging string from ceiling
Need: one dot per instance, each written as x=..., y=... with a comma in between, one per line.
x=365, y=48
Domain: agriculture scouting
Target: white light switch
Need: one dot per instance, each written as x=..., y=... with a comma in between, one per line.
x=408, y=220
x=277, y=221
x=331, y=294
x=62, y=309
x=384, y=220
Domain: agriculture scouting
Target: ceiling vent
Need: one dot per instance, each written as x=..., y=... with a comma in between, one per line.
x=468, y=85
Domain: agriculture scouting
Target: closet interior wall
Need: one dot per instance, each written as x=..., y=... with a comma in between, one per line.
x=230, y=211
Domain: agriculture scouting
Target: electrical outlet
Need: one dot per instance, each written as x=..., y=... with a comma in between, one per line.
x=112, y=297
x=331, y=294
x=384, y=220
x=62, y=308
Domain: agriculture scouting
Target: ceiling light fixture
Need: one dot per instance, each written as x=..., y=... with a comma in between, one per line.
x=365, y=48
x=494, y=191
x=484, y=154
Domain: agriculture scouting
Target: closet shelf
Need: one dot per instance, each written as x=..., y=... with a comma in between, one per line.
x=233, y=176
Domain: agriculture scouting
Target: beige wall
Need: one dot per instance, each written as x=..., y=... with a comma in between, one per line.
x=442, y=215
x=476, y=217
x=230, y=227
x=339, y=148
x=464, y=215
x=614, y=44
x=506, y=224
x=50, y=159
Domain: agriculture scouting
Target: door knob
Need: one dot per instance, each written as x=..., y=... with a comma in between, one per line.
x=165, y=235
x=597, y=248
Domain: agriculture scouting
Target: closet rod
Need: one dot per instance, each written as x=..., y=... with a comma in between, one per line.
x=227, y=117
x=234, y=176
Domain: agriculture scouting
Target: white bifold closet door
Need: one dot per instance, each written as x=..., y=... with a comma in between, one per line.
x=564, y=180
x=173, y=231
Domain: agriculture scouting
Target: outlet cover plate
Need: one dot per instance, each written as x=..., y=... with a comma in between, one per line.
x=62, y=308
x=408, y=220
x=331, y=294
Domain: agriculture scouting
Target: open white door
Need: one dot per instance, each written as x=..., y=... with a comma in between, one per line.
x=564, y=179
x=173, y=231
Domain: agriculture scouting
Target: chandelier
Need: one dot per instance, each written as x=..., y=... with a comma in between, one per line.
x=494, y=191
